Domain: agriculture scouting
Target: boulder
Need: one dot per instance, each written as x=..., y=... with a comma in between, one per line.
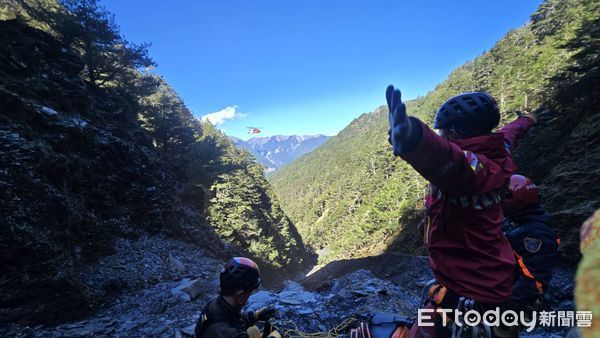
x=195, y=288
x=176, y=264
x=188, y=331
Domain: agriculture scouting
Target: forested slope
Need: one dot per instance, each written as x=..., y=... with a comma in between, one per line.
x=351, y=197
x=95, y=146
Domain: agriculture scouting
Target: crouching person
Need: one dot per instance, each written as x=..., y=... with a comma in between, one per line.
x=222, y=316
x=535, y=245
x=534, y=241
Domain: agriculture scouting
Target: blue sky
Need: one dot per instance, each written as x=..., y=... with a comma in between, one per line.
x=311, y=66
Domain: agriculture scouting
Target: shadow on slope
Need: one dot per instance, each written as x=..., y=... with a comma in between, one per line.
x=410, y=272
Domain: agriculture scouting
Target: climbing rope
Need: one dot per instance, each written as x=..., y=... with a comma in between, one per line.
x=294, y=332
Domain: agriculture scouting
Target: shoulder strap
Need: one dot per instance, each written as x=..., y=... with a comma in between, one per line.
x=204, y=322
x=539, y=286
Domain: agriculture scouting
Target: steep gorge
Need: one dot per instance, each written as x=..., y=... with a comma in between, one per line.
x=85, y=166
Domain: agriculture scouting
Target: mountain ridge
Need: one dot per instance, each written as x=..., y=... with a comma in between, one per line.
x=356, y=189
x=277, y=151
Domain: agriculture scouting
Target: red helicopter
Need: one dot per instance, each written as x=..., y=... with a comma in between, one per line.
x=253, y=130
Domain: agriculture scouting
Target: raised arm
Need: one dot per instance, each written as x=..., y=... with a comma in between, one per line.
x=443, y=163
x=516, y=129
x=455, y=171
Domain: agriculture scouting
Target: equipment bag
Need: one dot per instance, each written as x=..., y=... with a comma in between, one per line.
x=382, y=325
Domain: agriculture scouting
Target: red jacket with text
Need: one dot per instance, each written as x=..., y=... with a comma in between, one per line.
x=462, y=227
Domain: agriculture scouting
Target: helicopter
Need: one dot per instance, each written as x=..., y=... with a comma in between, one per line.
x=253, y=130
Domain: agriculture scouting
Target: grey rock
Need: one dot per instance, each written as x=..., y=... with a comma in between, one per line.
x=178, y=292
x=262, y=297
x=81, y=332
x=195, y=288
x=128, y=326
x=79, y=122
x=189, y=330
x=159, y=330
x=359, y=293
x=48, y=111
x=158, y=307
x=73, y=325
x=290, y=301
x=573, y=333
x=335, y=287
x=305, y=311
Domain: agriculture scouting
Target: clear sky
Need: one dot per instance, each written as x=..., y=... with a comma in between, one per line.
x=309, y=66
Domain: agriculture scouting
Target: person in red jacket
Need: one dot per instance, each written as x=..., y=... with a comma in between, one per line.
x=468, y=167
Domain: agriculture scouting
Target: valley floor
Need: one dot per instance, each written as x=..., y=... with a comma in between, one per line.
x=157, y=298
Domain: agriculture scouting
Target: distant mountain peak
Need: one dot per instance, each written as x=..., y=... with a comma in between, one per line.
x=278, y=150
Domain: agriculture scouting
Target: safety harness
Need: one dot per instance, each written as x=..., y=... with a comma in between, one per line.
x=539, y=286
x=465, y=331
x=434, y=294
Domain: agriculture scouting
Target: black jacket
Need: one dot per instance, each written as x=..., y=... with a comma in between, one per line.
x=535, y=244
x=221, y=320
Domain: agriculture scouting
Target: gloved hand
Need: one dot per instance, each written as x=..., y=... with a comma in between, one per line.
x=265, y=313
x=400, y=126
x=275, y=334
x=253, y=332
x=541, y=115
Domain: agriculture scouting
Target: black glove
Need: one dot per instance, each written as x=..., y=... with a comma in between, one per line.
x=542, y=115
x=400, y=126
x=265, y=313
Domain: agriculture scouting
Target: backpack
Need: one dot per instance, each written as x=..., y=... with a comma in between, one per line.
x=382, y=325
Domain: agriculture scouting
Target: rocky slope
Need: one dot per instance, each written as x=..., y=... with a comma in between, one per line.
x=169, y=303
x=276, y=151
x=166, y=305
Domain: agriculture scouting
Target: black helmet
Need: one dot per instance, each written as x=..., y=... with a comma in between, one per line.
x=468, y=114
x=240, y=273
